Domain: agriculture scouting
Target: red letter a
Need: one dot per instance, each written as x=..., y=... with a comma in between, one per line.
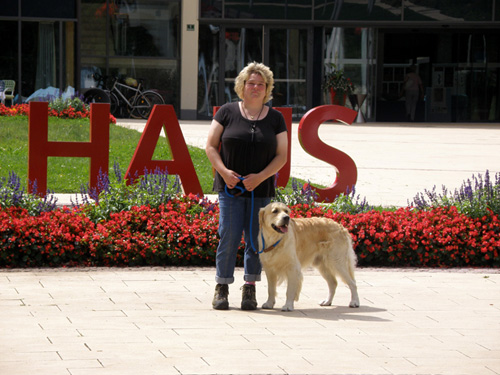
x=182, y=165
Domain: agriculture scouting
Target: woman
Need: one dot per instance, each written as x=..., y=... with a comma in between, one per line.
x=247, y=146
x=413, y=89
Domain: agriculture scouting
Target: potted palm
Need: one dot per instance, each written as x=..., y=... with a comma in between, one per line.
x=337, y=85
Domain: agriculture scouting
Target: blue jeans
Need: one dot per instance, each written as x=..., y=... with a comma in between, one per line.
x=234, y=221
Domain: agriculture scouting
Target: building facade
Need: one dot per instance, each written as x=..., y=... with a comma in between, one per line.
x=192, y=50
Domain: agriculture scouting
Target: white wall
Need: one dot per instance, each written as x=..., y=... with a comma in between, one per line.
x=189, y=59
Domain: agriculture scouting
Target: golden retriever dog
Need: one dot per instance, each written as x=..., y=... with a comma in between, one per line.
x=287, y=245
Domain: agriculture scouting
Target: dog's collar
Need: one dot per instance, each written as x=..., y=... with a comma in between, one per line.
x=267, y=249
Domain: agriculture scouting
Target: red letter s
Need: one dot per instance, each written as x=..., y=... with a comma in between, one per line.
x=346, y=171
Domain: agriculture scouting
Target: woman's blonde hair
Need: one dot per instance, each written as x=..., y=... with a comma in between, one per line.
x=263, y=71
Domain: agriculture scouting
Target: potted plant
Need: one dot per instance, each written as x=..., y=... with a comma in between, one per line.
x=337, y=85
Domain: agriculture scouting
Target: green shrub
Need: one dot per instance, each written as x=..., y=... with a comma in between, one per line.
x=115, y=194
x=60, y=104
x=476, y=197
x=12, y=194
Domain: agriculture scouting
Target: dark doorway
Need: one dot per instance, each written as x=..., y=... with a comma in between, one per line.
x=459, y=70
x=401, y=50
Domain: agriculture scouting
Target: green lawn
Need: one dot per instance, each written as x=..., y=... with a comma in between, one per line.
x=66, y=175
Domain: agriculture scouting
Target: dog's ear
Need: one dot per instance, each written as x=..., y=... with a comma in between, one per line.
x=261, y=216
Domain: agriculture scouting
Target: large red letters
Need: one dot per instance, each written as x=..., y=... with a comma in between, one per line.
x=346, y=175
x=181, y=164
x=163, y=116
x=39, y=147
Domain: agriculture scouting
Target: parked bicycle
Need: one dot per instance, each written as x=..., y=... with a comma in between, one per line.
x=124, y=97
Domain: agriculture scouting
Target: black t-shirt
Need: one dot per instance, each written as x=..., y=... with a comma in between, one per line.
x=248, y=146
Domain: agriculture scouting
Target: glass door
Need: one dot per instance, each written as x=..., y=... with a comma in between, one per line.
x=477, y=86
x=241, y=46
x=288, y=61
x=226, y=50
x=353, y=51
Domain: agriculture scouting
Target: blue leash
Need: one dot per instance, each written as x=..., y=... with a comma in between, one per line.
x=242, y=190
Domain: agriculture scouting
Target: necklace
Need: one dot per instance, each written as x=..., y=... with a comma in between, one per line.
x=247, y=114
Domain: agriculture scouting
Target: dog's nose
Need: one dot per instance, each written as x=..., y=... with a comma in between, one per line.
x=286, y=219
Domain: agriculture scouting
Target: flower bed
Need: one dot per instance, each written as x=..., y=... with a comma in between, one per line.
x=441, y=237
x=184, y=232
x=67, y=112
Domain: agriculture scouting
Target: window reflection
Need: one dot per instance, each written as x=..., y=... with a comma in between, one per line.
x=369, y=10
x=208, y=70
x=144, y=28
x=352, y=50
x=304, y=9
x=8, y=57
x=382, y=10
x=276, y=9
x=132, y=38
x=288, y=60
x=211, y=8
x=448, y=11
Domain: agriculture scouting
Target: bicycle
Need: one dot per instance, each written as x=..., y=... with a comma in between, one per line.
x=139, y=105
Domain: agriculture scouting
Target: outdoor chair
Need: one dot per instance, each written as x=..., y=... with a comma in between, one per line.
x=8, y=91
x=2, y=91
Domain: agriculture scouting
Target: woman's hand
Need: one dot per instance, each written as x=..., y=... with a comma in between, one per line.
x=231, y=178
x=251, y=181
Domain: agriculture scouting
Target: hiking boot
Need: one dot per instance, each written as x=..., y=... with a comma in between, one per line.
x=220, y=297
x=248, y=300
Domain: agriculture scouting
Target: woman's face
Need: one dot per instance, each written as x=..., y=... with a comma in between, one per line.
x=255, y=87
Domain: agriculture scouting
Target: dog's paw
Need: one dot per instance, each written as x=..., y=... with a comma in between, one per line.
x=268, y=305
x=325, y=303
x=354, y=304
x=287, y=308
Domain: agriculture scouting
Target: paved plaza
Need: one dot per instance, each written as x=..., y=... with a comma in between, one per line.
x=160, y=321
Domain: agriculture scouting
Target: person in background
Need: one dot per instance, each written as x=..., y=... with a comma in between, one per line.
x=413, y=91
x=247, y=145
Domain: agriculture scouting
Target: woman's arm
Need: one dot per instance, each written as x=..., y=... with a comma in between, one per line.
x=230, y=177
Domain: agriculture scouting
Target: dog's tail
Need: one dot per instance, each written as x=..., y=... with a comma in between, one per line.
x=352, y=259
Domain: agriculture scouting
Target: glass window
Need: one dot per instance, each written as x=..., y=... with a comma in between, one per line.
x=475, y=78
x=242, y=45
x=275, y=9
x=384, y=10
x=29, y=59
x=48, y=8
x=448, y=10
x=132, y=39
x=47, y=57
x=211, y=8
x=68, y=63
x=288, y=61
x=9, y=8
x=160, y=75
x=140, y=28
x=208, y=70
x=144, y=28
x=92, y=68
x=8, y=57
x=93, y=28
x=352, y=50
